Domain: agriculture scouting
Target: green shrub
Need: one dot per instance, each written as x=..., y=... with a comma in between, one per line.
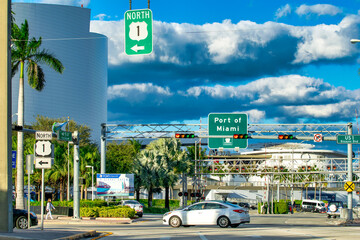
x=89, y=212
x=118, y=212
x=155, y=210
x=283, y=207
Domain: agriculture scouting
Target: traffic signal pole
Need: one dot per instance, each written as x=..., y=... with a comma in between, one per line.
x=350, y=171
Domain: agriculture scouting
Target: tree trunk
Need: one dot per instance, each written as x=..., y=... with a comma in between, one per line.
x=137, y=191
x=86, y=193
x=167, y=204
x=150, y=193
x=81, y=192
x=62, y=191
x=20, y=144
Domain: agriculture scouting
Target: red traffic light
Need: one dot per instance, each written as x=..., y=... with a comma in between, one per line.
x=286, y=137
x=240, y=136
x=180, y=194
x=184, y=135
x=186, y=194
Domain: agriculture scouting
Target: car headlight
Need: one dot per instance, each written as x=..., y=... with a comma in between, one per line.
x=33, y=214
x=167, y=213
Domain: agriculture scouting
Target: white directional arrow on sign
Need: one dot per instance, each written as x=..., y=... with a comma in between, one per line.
x=136, y=48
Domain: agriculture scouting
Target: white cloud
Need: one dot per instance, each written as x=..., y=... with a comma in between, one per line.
x=255, y=115
x=136, y=92
x=76, y=3
x=318, y=9
x=283, y=11
x=345, y=108
x=101, y=16
x=223, y=43
x=289, y=89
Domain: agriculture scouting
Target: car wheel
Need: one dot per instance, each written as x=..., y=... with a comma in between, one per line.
x=223, y=222
x=22, y=222
x=334, y=216
x=175, y=221
x=140, y=215
x=329, y=216
x=234, y=225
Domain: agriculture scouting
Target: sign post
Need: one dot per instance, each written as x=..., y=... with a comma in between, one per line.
x=138, y=32
x=227, y=124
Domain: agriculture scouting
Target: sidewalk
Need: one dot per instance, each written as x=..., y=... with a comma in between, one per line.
x=55, y=232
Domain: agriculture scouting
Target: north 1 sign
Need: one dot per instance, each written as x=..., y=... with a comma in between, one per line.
x=227, y=124
x=138, y=32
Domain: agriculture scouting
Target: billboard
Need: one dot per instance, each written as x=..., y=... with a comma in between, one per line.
x=121, y=185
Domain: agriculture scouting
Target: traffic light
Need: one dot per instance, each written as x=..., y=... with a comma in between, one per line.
x=186, y=194
x=184, y=135
x=180, y=194
x=192, y=195
x=16, y=128
x=198, y=194
x=286, y=137
x=240, y=136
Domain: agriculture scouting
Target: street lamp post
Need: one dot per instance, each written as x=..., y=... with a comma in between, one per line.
x=92, y=181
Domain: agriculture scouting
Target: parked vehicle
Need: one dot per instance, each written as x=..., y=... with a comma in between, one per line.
x=334, y=208
x=20, y=219
x=313, y=206
x=219, y=213
x=138, y=207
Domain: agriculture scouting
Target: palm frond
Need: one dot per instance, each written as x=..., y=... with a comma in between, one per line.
x=36, y=77
x=45, y=57
x=14, y=68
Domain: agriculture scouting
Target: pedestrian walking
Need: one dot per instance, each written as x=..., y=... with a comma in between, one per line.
x=49, y=208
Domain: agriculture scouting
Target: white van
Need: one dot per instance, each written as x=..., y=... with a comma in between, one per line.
x=313, y=206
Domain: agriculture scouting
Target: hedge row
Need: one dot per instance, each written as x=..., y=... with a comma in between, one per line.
x=83, y=203
x=280, y=207
x=116, y=212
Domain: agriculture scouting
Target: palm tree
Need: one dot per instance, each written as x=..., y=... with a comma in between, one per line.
x=172, y=161
x=26, y=50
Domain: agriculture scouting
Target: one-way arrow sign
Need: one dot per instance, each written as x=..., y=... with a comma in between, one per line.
x=136, y=48
x=43, y=163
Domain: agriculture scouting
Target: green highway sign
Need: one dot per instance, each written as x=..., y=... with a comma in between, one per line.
x=138, y=32
x=227, y=124
x=348, y=139
x=64, y=136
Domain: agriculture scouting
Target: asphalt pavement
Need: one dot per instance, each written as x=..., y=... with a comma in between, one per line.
x=51, y=232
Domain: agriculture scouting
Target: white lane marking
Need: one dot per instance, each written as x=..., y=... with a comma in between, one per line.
x=202, y=236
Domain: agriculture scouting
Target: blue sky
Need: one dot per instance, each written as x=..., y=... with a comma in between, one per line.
x=278, y=61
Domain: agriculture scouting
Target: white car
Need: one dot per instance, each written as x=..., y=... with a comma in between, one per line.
x=134, y=205
x=219, y=213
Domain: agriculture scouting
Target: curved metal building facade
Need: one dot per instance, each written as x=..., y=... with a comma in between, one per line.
x=81, y=91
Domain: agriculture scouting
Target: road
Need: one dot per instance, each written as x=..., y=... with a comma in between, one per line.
x=296, y=226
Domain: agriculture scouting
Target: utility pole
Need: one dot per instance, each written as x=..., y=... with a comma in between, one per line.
x=6, y=223
x=76, y=176
x=103, y=149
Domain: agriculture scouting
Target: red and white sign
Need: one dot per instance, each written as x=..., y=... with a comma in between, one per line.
x=318, y=137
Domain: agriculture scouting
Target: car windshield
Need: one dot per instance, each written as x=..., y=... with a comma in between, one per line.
x=322, y=204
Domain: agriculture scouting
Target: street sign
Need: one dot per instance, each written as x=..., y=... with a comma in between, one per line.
x=227, y=124
x=64, y=136
x=13, y=157
x=43, y=135
x=45, y=163
x=43, y=148
x=318, y=137
x=348, y=139
x=349, y=186
x=138, y=32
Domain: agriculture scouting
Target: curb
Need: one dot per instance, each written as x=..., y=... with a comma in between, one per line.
x=80, y=235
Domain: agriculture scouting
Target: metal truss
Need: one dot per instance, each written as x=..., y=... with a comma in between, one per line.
x=296, y=171
x=259, y=131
